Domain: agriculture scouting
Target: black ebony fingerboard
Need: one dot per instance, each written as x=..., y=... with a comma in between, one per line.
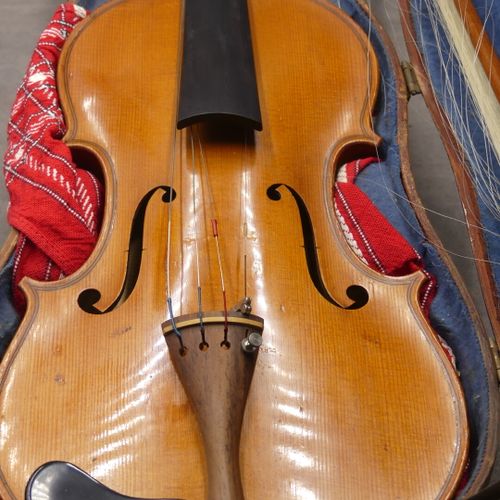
x=218, y=72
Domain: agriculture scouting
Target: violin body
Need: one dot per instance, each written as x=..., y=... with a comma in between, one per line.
x=344, y=402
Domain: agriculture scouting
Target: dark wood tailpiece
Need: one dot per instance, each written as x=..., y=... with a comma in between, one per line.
x=217, y=380
x=218, y=73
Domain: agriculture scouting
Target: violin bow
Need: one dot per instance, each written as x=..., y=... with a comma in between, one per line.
x=482, y=91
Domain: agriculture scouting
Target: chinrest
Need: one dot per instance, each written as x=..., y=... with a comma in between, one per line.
x=64, y=481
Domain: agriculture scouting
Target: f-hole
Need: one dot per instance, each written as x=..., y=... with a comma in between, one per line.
x=356, y=293
x=88, y=298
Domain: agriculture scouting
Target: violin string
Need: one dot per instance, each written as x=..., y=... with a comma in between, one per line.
x=169, y=239
x=245, y=282
x=215, y=232
x=169, y=223
x=244, y=198
x=196, y=235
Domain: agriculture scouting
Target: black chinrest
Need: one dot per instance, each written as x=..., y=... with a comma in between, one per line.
x=64, y=481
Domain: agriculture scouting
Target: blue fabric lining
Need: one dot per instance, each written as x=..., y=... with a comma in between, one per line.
x=382, y=183
x=9, y=319
x=90, y=4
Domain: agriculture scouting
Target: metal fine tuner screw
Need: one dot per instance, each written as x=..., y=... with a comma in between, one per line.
x=252, y=342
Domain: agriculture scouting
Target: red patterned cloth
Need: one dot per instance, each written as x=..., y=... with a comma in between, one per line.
x=55, y=206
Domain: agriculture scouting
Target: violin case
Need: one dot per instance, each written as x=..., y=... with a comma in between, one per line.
x=391, y=187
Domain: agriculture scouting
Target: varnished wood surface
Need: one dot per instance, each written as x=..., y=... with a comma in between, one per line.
x=343, y=403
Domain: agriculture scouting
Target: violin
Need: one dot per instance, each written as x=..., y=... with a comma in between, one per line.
x=289, y=366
